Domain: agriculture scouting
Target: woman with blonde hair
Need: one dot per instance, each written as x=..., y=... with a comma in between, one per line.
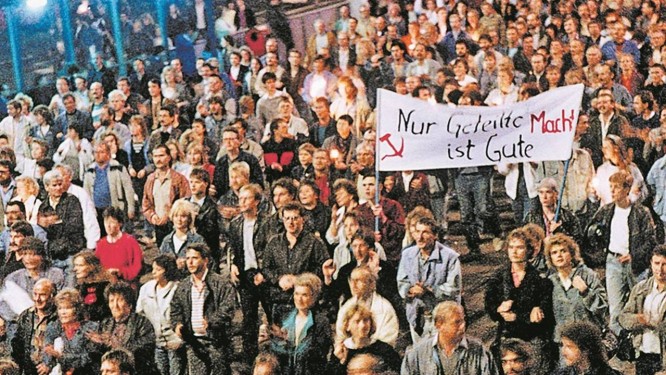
x=198, y=135
x=364, y=50
x=359, y=327
x=182, y=216
x=174, y=90
x=27, y=190
x=198, y=158
x=66, y=342
x=246, y=107
x=304, y=339
x=350, y=103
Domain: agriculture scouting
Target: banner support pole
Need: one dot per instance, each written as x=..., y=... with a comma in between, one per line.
x=561, y=192
x=377, y=158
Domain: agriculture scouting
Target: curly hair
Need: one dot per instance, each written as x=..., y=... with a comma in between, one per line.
x=568, y=243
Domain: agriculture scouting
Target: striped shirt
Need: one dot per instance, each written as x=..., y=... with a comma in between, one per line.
x=198, y=298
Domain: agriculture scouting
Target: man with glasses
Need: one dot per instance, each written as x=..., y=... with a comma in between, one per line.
x=289, y=254
x=231, y=141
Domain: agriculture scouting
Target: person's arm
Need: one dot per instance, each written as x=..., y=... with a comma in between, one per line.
x=148, y=202
x=183, y=187
x=630, y=318
x=128, y=191
x=595, y=298
x=389, y=333
x=143, y=336
x=91, y=231
x=269, y=266
x=220, y=320
x=131, y=271
x=403, y=277
x=179, y=309
x=255, y=171
x=452, y=286
x=494, y=297
x=17, y=343
x=73, y=224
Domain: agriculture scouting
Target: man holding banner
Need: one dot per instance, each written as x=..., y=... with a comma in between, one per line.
x=539, y=129
x=391, y=228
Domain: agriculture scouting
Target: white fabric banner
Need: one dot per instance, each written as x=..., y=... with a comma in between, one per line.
x=413, y=134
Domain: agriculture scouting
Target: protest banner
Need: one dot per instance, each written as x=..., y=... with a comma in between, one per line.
x=413, y=134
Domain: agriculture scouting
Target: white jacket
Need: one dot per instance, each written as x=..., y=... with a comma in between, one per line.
x=85, y=154
x=386, y=321
x=511, y=172
x=155, y=306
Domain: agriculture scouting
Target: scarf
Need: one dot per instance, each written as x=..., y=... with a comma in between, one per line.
x=71, y=329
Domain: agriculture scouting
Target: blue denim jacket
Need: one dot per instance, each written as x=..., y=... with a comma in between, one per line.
x=442, y=278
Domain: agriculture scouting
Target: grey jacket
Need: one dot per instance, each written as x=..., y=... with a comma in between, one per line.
x=473, y=359
x=120, y=185
x=570, y=305
x=634, y=307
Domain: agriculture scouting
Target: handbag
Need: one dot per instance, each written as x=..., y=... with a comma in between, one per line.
x=625, y=347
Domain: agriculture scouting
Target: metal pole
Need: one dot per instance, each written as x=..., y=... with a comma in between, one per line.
x=564, y=181
x=15, y=46
x=377, y=158
x=162, y=21
x=118, y=37
x=67, y=34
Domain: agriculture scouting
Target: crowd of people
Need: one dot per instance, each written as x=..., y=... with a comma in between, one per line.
x=253, y=174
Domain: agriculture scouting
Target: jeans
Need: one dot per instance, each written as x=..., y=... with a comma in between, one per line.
x=473, y=196
x=170, y=362
x=522, y=204
x=619, y=281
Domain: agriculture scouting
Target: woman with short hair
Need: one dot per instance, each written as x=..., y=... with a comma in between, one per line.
x=182, y=216
x=154, y=302
x=119, y=252
x=304, y=339
x=578, y=294
x=66, y=341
